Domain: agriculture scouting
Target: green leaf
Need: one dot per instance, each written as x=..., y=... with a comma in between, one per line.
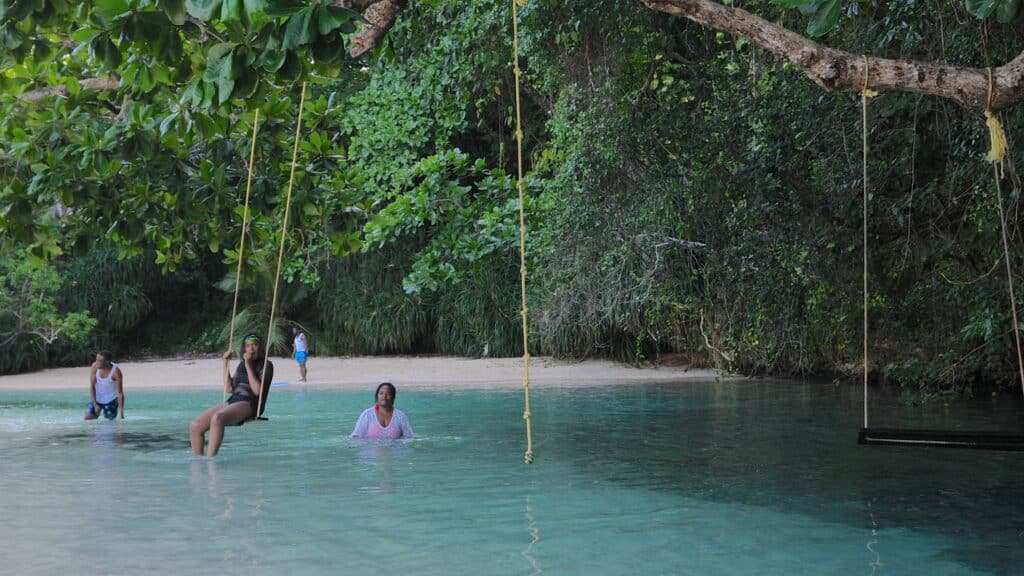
x=231, y=10
x=175, y=10
x=980, y=9
x=202, y=9
x=113, y=7
x=793, y=3
x=255, y=6
x=215, y=60
x=71, y=83
x=209, y=90
x=1007, y=10
x=245, y=84
x=299, y=30
x=272, y=56
x=168, y=123
x=282, y=8
x=192, y=95
x=809, y=8
x=290, y=69
x=170, y=49
x=12, y=38
x=84, y=34
x=226, y=80
x=825, y=19
x=102, y=49
x=330, y=18
x=272, y=60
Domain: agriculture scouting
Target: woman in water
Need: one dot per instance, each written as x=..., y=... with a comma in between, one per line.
x=245, y=389
x=383, y=420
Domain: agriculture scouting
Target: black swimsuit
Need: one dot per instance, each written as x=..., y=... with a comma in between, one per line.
x=240, y=390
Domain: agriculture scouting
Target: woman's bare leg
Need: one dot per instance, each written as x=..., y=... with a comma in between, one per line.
x=199, y=426
x=227, y=416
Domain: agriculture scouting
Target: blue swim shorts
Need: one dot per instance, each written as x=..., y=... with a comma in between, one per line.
x=109, y=409
x=300, y=357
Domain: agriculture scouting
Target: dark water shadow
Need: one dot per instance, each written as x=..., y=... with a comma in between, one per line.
x=129, y=440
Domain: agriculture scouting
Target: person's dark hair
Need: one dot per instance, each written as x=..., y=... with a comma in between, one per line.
x=394, y=392
x=106, y=355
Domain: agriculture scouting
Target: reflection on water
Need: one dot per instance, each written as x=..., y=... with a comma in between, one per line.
x=753, y=477
x=379, y=459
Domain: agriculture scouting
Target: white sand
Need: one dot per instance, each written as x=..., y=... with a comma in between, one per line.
x=365, y=372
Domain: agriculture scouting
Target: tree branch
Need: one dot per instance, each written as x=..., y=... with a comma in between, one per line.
x=380, y=15
x=836, y=70
x=98, y=84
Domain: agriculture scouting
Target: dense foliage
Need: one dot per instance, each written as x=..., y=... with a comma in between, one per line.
x=687, y=193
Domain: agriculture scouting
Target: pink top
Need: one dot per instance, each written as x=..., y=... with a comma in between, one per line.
x=369, y=427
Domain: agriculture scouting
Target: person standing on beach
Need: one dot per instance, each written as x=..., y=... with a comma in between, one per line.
x=245, y=389
x=300, y=351
x=106, y=388
x=383, y=420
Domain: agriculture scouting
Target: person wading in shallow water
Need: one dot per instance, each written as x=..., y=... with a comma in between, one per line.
x=383, y=420
x=106, y=388
x=245, y=387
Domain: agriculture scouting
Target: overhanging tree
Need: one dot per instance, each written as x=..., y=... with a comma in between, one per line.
x=156, y=79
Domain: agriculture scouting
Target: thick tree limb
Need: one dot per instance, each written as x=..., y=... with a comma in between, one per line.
x=836, y=70
x=96, y=84
x=380, y=16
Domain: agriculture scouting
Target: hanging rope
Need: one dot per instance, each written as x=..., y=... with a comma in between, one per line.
x=997, y=156
x=522, y=233
x=280, y=251
x=865, y=93
x=996, y=134
x=241, y=241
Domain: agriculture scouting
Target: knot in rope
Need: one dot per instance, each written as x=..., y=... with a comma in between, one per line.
x=864, y=90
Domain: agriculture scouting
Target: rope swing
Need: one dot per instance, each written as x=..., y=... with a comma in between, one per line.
x=982, y=440
x=997, y=156
x=260, y=405
x=280, y=250
x=865, y=93
x=522, y=233
x=245, y=230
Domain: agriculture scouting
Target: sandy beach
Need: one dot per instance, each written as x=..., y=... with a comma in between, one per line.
x=406, y=372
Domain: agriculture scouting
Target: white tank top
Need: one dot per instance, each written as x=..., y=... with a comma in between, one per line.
x=106, y=388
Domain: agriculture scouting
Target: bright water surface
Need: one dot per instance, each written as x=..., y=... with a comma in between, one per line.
x=751, y=477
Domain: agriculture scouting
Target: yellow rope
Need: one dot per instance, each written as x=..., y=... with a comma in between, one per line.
x=241, y=241
x=995, y=264
x=522, y=234
x=280, y=251
x=997, y=156
x=995, y=129
x=998, y=137
x=865, y=93
x=1009, y=275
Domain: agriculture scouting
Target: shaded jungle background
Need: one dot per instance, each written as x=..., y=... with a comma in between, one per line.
x=688, y=194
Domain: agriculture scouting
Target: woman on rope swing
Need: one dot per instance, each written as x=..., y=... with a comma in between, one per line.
x=245, y=389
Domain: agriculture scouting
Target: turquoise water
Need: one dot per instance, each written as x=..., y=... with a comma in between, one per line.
x=754, y=477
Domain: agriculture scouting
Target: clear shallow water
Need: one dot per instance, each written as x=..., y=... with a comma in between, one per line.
x=701, y=478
